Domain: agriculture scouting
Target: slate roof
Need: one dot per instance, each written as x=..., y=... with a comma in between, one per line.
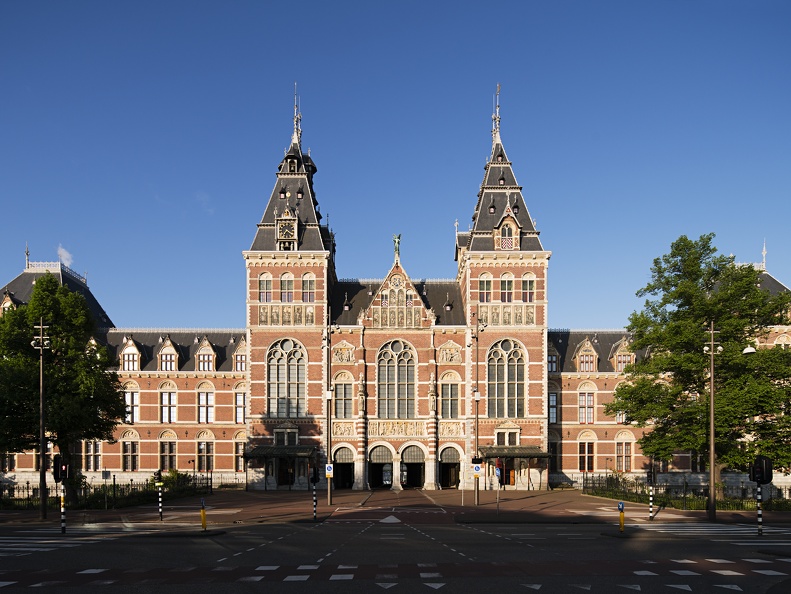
x=21, y=288
x=433, y=293
x=186, y=342
x=604, y=342
x=771, y=284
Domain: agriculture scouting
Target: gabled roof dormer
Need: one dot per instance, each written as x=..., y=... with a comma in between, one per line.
x=586, y=356
x=397, y=303
x=168, y=355
x=205, y=356
x=130, y=357
x=621, y=354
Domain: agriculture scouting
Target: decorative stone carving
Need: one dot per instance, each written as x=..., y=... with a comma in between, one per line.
x=397, y=429
x=343, y=353
x=451, y=429
x=449, y=353
x=342, y=429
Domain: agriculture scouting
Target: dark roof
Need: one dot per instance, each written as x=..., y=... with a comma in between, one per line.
x=21, y=288
x=186, y=342
x=604, y=342
x=771, y=284
x=433, y=293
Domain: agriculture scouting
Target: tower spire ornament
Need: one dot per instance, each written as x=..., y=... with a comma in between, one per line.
x=397, y=246
x=496, y=117
x=296, y=137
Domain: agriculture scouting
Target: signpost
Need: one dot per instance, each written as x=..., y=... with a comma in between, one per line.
x=621, y=513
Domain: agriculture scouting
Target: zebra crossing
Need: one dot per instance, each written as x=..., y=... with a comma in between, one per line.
x=45, y=540
x=746, y=533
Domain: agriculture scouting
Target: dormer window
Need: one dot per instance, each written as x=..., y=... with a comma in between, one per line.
x=205, y=357
x=501, y=180
x=586, y=362
x=507, y=237
x=130, y=358
x=622, y=360
x=292, y=166
x=282, y=193
x=299, y=194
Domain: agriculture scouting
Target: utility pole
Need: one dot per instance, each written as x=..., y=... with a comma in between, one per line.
x=41, y=342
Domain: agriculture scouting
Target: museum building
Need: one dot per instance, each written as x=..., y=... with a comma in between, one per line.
x=398, y=382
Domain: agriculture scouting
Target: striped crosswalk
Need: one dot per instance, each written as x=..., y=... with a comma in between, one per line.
x=37, y=541
x=722, y=532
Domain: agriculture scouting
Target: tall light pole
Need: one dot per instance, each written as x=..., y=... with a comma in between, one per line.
x=41, y=342
x=477, y=395
x=329, y=444
x=711, y=504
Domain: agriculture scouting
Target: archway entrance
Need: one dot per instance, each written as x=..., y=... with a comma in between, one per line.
x=449, y=468
x=344, y=469
x=412, y=467
x=380, y=468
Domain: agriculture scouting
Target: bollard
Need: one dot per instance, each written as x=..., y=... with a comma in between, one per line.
x=621, y=520
x=314, y=503
x=760, y=511
x=202, y=513
x=63, y=508
x=160, y=502
x=651, y=502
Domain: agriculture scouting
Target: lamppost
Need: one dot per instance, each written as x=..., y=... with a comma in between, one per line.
x=477, y=396
x=41, y=342
x=329, y=444
x=711, y=504
x=479, y=326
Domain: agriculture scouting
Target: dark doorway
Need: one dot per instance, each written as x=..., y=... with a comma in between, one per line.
x=449, y=468
x=380, y=468
x=285, y=472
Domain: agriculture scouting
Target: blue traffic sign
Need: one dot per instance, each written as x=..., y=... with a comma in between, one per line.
x=620, y=506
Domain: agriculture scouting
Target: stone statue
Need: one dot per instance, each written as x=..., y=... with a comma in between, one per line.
x=397, y=244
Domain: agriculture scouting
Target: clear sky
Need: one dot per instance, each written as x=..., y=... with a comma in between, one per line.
x=142, y=138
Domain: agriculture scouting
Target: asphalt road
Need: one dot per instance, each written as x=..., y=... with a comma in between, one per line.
x=393, y=542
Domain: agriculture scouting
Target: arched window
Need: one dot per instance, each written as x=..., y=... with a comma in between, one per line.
x=287, y=288
x=286, y=364
x=506, y=238
x=342, y=387
x=506, y=387
x=485, y=288
x=528, y=288
x=308, y=288
x=396, y=381
x=507, y=288
x=449, y=395
x=265, y=288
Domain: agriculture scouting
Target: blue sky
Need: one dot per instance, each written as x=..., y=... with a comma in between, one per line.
x=142, y=138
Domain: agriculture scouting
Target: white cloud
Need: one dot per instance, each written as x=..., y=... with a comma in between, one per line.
x=64, y=256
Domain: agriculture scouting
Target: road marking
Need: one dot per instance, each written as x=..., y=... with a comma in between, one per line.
x=342, y=576
x=296, y=578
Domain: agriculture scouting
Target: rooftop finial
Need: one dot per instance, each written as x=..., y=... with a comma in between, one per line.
x=496, y=116
x=763, y=253
x=296, y=137
x=27, y=256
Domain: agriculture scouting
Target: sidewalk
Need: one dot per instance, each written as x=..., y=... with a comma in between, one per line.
x=230, y=507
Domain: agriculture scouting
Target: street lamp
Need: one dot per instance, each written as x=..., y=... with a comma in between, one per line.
x=329, y=444
x=479, y=326
x=40, y=343
x=711, y=504
x=477, y=396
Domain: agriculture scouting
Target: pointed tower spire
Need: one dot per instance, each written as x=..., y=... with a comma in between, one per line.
x=496, y=118
x=27, y=256
x=296, y=137
x=763, y=253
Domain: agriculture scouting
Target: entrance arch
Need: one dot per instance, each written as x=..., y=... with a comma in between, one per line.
x=343, y=459
x=449, y=468
x=413, y=467
x=380, y=471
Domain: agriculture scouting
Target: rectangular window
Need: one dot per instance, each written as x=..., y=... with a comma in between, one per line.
x=240, y=362
x=238, y=456
x=308, y=290
x=286, y=290
x=449, y=397
x=205, y=456
x=205, y=362
x=586, y=363
x=506, y=290
x=620, y=417
x=621, y=361
x=7, y=462
x=285, y=437
x=239, y=406
x=485, y=290
x=265, y=290
x=586, y=456
x=132, y=400
x=552, y=363
x=129, y=455
x=205, y=407
x=167, y=455
x=130, y=362
x=343, y=401
x=553, y=407
x=623, y=457
x=503, y=438
x=586, y=408
x=167, y=362
x=528, y=290
x=93, y=456
x=167, y=407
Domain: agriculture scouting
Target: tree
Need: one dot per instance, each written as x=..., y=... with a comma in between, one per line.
x=667, y=389
x=83, y=398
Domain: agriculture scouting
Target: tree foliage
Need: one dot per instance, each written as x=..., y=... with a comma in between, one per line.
x=82, y=395
x=667, y=389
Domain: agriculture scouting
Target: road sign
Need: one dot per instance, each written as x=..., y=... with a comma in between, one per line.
x=497, y=472
x=476, y=469
x=328, y=471
x=620, y=506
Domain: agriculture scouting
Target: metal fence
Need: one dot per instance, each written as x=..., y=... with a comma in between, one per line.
x=107, y=495
x=686, y=496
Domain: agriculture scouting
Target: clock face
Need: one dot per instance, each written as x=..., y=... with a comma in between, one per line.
x=287, y=230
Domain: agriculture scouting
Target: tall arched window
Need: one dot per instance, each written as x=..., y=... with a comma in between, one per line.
x=265, y=288
x=506, y=387
x=396, y=381
x=308, y=288
x=507, y=288
x=286, y=364
x=287, y=288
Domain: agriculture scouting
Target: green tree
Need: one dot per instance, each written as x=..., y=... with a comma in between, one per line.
x=667, y=389
x=83, y=398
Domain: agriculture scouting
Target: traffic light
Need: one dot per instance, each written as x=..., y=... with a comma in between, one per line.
x=157, y=476
x=315, y=478
x=56, y=467
x=761, y=470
